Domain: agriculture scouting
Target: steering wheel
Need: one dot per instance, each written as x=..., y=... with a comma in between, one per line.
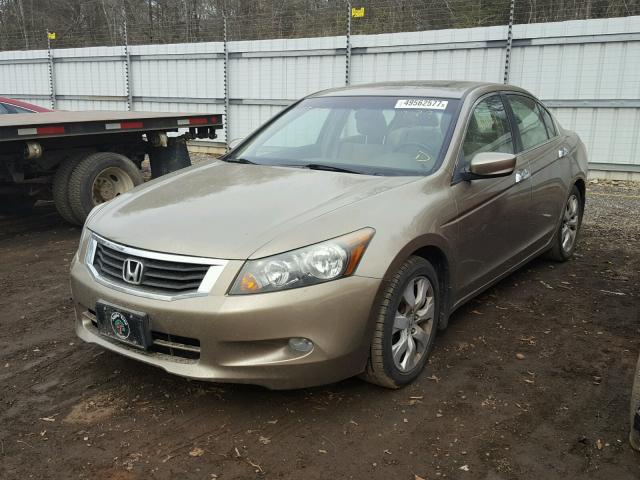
x=417, y=148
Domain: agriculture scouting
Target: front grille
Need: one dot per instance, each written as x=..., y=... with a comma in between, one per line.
x=160, y=276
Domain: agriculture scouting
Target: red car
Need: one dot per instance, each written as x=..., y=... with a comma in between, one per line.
x=8, y=105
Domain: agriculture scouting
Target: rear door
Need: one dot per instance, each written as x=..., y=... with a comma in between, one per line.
x=538, y=142
x=494, y=230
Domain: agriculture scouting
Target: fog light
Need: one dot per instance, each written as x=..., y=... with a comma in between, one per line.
x=301, y=344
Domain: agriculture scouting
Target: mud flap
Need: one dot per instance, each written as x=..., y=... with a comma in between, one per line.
x=170, y=158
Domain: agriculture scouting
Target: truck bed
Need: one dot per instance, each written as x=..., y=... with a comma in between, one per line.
x=27, y=126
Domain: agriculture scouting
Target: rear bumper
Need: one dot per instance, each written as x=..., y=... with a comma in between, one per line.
x=245, y=339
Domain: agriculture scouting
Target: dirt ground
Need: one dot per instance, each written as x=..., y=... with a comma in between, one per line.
x=531, y=381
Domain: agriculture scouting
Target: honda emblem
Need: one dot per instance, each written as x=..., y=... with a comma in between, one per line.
x=132, y=271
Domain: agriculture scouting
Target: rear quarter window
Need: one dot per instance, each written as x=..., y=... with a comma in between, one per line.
x=548, y=121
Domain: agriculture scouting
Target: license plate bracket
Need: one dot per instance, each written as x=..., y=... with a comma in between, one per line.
x=124, y=325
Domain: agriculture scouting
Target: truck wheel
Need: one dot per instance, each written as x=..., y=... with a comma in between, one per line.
x=17, y=205
x=99, y=178
x=61, y=188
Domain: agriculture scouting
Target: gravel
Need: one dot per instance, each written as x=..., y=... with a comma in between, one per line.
x=613, y=209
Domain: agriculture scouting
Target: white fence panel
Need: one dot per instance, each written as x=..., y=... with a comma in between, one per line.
x=594, y=65
x=469, y=54
x=585, y=70
x=25, y=74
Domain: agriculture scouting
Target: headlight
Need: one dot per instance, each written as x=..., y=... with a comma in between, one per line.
x=322, y=262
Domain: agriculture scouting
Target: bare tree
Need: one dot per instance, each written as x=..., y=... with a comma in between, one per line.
x=99, y=22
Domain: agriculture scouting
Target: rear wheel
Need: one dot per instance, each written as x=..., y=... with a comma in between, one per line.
x=564, y=241
x=406, y=325
x=61, y=188
x=98, y=178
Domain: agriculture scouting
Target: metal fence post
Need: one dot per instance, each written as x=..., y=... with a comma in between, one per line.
x=226, y=82
x=127, y=67
x=507, y=58
x=347, y=80
x=52, y=74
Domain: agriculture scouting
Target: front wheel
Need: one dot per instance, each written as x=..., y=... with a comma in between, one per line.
x=406, y=325
x=565, y=238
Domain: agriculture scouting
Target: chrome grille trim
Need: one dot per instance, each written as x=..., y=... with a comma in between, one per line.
x=214, y=268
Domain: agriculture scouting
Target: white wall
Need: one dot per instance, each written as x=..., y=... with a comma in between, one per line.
x=586, y=70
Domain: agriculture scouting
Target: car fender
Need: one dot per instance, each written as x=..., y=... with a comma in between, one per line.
x=420, y=243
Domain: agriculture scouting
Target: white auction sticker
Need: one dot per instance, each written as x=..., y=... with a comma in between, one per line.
x=429, y=103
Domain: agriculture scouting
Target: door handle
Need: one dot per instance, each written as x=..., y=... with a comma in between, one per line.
x=522, y=174
x=563, y=152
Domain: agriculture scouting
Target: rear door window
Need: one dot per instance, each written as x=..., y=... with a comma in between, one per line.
x=529, y=121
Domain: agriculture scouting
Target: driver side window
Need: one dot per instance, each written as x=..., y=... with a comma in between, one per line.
x=488, y=129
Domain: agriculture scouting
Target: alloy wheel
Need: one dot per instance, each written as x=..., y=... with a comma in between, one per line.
x=570, y=221
x=413, y=324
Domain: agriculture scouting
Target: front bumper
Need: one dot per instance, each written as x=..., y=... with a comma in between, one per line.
x=245, y=339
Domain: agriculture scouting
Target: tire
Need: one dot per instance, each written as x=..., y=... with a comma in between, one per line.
x=16, y=205
x=61, y=188
x=634, y=435
x=382, y=369
x=559, y=250
x=117, y=173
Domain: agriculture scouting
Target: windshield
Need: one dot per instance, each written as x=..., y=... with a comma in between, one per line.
x=370, y=135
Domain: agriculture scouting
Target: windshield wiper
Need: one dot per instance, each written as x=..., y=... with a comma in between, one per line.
x=239, y=160
x=329, y=168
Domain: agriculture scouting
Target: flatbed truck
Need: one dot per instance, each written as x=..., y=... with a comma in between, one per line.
x=82, y=159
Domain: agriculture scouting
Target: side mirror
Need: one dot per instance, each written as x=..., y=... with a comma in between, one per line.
x=490, y=165
x=234, y=143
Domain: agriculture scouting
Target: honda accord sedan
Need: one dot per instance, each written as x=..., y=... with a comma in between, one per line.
x=334, y=241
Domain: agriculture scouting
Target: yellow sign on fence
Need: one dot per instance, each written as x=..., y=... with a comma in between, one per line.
x=51, y=35
x=357, y=12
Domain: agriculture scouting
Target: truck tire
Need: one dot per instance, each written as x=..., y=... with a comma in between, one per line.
x=17, y=205
x=98, y=178
x=170, y=158
x=61, y=188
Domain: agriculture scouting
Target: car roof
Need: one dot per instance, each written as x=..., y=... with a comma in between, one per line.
x=18, y=103
x=416, y=88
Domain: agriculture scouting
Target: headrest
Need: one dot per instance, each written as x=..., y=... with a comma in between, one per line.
x=371, y=123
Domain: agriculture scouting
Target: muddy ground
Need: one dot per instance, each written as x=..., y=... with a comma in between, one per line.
x=70, y=410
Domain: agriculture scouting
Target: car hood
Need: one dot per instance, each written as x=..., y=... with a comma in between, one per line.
x=224, y=210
